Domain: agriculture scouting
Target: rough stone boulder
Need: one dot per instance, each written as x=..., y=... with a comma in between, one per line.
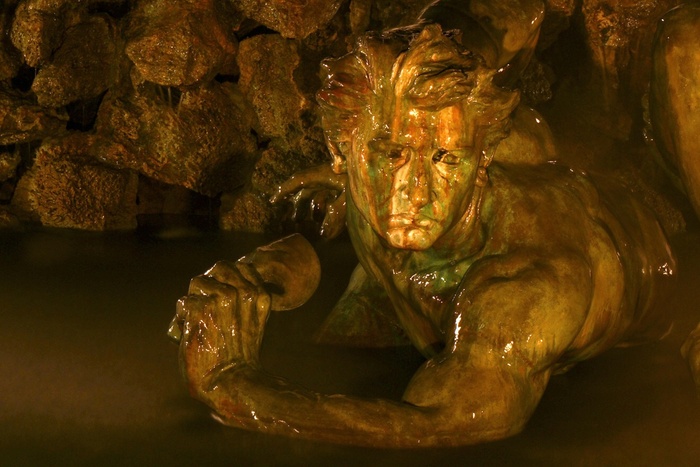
x=394, y=13
x=9, y=64
x=180, y=43
x=22, y=120
x=249, y=209
x=272, y=169
x=246, y=211
x=200, y=139
x=269, y=67
x=38, y=27
x=66, y=188
x=82, y=67
x=294, y=19
x=288, y=122
x=8, y=164
x=9, y=57
x=267, y=63
x=8, y=220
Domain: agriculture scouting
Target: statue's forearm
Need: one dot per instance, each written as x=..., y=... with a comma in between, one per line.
x=248, y=398
x=252, y=399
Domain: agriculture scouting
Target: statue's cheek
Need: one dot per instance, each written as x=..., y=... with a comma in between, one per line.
x=370, y=190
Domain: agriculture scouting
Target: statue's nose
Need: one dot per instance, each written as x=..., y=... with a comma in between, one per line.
x=418, y=186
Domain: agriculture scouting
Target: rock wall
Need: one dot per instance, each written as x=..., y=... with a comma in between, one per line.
x=116, y=111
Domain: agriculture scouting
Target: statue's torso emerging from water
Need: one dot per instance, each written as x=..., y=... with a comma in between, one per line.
x=501, y=270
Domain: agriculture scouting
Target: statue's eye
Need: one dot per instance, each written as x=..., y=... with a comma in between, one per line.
x=381, y=146
x=395, y=153
x=444, y=156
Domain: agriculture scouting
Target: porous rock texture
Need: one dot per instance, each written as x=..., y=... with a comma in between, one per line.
x=83, y=66
x=65, y=188
x=23, y=120
x=200, y=139
x=291, y=18
x=181, y=43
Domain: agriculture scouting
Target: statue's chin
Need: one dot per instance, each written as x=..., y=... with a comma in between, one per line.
x=410, y=238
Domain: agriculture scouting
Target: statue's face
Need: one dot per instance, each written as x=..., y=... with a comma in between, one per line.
x=412, y=172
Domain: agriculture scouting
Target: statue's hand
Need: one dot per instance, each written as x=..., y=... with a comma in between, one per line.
x=222, y=321
x=317, y=190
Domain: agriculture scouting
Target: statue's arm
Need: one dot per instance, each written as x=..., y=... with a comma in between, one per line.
x=514, y=318
x=471, y=392
x=450, y=402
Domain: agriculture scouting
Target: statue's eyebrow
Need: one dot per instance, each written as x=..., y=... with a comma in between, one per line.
x=384, y=142
x=461, y=147
x=383, y=134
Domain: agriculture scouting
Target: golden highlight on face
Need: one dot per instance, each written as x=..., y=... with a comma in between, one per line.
x=411, y=117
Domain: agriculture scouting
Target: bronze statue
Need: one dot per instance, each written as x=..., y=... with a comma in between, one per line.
x=502, y=267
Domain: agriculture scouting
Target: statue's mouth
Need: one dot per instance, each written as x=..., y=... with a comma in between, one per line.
x=410, y=220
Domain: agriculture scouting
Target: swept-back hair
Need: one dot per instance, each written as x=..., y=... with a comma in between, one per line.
x=422, y=64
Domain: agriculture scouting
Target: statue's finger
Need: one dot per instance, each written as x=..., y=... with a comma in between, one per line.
x=182, y=309
x=207, y=285
x=247, y=269
x=295, y=183
x=318, y=204
x=189, y=307
x=334, y=220
x=262, y=298
x=299, y=201
x=226, y=272
x=175, y=330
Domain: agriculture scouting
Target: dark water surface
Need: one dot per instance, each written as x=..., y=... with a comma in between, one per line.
x=88, y=377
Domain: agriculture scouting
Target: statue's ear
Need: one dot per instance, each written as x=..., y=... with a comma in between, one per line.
x=492, y=138
x=339, y=164
x=487, y=155
x=482, y=177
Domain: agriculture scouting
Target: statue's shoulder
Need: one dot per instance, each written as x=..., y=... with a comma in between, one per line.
x=535, y=180
x=539, y=204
